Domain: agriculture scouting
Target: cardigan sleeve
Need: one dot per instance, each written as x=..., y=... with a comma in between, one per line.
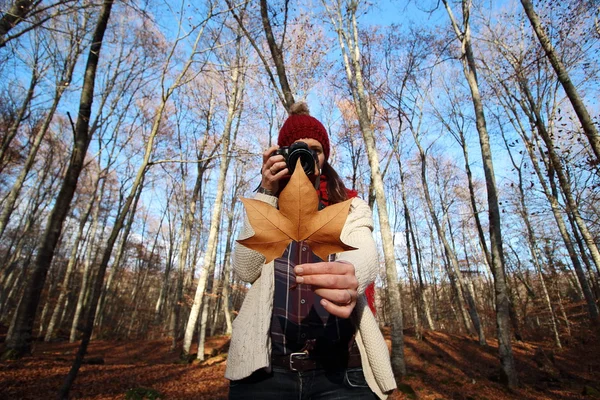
x=358, y=232
x=247, y=263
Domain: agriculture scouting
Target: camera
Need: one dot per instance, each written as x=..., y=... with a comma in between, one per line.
x=298, y=151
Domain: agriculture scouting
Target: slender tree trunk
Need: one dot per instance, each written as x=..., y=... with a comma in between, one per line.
x=164, y=288
x=106, y=294
x=208, y=300
x=6, y=140
x=501, y=291
x=589, y=128
x=346, y=26
x=555, y=167
x=12, y=197
x=85, y=279
x=463, y=292
x=119, y=221
x=232, y=109
x=16, y=14
x=187, y=223
x=226, y=306
x=277, y=55
x=533, y=249
x=550, y=192
x=422, y=308
x=20, y=342
x=64, y=289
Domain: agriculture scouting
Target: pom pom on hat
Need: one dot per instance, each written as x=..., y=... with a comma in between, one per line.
x=299, y=108
x=301, y=125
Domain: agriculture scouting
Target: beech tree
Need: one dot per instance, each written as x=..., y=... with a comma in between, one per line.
x=588, y=126
x=20, y=342
x=463, y=35
x=234, y=99
x=343, y=17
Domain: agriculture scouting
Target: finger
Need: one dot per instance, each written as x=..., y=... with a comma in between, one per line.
x=334, y=268
x=342, y=297
x=337, y=310
x=280, y=174
x=268, y=152
x=329, y=281
x=277, y=166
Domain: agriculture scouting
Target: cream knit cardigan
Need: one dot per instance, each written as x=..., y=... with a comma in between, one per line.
x=250, y=347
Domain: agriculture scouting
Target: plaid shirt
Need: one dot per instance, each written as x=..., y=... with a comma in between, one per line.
x=298, y=315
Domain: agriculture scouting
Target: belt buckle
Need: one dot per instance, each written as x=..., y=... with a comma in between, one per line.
x=301, y=356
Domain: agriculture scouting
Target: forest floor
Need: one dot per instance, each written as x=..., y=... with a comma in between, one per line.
x=441, y=366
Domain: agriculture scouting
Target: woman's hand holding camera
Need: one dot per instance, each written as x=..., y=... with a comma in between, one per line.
x=273, y=169
x=334, y=281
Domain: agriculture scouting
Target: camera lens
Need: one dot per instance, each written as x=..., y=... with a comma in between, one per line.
x=300, y=151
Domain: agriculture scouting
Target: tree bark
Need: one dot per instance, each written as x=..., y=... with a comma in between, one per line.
x=232, y=109
x=17, y=13
x=226, y=306
x=12, y=197
x=277, y=55
x=498, y=270
x=120, y=219
x=589, y=128
x=6, y=140
x=463, y=293
x=64, y=289
x=346, y=26
x=187, y=224
x=555, y=166
x=105, y=293
x=20, y=343
x=532, y=243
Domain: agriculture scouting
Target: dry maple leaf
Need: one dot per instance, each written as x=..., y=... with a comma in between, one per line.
x=298, y=218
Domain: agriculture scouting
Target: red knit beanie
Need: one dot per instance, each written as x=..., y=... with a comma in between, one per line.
x=300, y=125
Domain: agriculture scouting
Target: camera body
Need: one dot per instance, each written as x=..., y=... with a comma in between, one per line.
x=299, y=151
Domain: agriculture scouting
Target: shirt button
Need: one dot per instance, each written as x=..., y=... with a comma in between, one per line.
x=302, y=301
x=303, y=335
x=303, y=248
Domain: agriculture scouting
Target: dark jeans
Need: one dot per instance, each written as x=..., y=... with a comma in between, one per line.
x=283, y=384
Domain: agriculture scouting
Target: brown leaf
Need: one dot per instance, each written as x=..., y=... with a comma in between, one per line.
x=298, y=218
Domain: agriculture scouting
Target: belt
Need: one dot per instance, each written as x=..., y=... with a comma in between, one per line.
x=302, y=361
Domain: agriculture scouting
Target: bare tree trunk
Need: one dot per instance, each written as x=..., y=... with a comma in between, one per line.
x=14, y=251
x=7, y=138
x=555, y=167
x=226, y=304
x=164, y=287
x=277, y=55
x=237, y=81
x=13, y=195
x=187, y=224
x=422, y=309
x=501, y=291
x=105, y=293
x=550, y=192
x=208, y=298
x=118, y=225
x=87, y=272
x=463, y=292
x=589, y=128
x=345, y=23
x=20, y=342
x=70, y=266
x=533, y=249
x=16, y=14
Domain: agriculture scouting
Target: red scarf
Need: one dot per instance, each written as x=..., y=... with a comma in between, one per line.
x=323, y=191
x=370, y=290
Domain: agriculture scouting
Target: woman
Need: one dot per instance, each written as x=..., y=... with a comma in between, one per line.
x=305, y=329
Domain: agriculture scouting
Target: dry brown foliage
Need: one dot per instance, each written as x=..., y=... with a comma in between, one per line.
x=441, y=366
